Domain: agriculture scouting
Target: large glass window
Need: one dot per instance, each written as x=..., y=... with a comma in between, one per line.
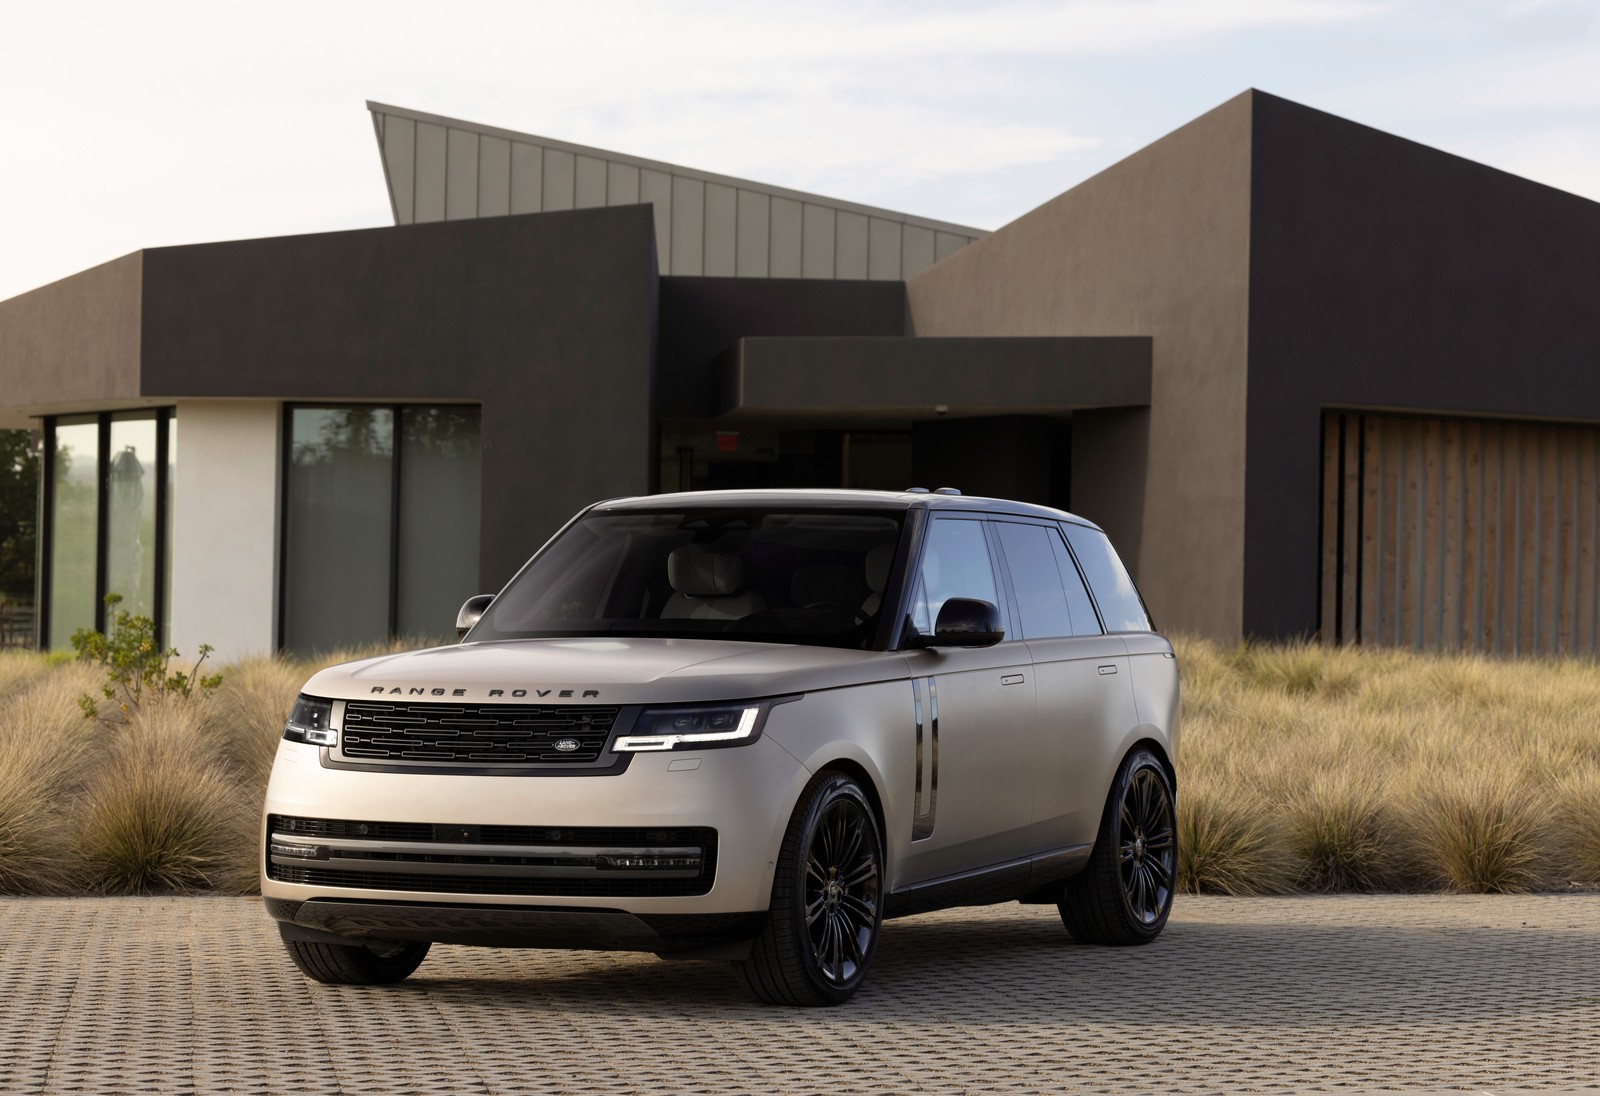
x=74, y=522
x=380, y=523
x=108, y=511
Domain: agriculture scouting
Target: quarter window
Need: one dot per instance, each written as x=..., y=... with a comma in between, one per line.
x=1121, y=608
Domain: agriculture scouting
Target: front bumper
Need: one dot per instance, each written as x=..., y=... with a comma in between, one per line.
x=744, y=794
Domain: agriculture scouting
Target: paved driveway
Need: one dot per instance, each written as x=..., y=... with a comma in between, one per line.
x=1259, y=995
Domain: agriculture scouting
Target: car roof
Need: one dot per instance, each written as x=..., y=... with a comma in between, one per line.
x=838, y=498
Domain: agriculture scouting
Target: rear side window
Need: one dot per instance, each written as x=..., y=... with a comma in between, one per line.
x=1050, y=595
x=1114, y=591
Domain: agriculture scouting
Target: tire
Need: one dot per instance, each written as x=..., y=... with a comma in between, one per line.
x=830, y=869
x=354, y=964
x=1124, y=895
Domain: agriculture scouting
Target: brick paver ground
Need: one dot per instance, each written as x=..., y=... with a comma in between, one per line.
x=1261, y=995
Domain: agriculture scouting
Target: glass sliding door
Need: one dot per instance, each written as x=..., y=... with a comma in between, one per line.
x=440, y=470
x=338, y=515
x=74, y=522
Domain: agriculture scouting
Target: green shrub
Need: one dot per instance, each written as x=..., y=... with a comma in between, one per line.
x=136, y=666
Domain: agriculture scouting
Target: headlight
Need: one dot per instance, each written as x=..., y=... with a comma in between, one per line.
x=694, y=728
x=311, y=722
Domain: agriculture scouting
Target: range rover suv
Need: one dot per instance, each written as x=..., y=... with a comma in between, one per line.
x=742, y=725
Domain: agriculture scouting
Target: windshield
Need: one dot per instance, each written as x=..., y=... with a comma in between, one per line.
x=757, y=573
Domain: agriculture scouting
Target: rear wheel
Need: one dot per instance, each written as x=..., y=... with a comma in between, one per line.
x=827, y=900
x=355, y=964
x=1124, y=894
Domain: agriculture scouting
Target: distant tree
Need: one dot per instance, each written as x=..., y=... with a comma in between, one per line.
x=19, y=504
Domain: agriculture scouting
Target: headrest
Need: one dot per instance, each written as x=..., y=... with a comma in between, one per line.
x=878, y=562
x=695, y=571
x=825, y=583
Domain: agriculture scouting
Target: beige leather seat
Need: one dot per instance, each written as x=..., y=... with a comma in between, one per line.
x=707, y=586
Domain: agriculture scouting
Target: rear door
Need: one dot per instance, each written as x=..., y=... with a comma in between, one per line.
x=1082, y=681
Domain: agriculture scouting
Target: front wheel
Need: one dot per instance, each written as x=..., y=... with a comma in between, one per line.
x=355, y=964
x=1124, y=894
x=827, y=900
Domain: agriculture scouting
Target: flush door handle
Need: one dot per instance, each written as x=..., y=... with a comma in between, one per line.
x=1111, y=669
x=1011, y=679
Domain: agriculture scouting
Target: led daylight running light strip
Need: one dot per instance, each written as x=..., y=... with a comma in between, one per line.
x=652, y=742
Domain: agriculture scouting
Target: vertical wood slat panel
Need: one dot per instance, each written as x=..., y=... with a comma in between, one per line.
x=1460, y=534
x=1470, y=629
x=1450, y=536
x=1350, y=549
x=1567, y=543
x=1493, y=534
x=1371, y=526
x=1587, y=508
x=1429, y=551
x=1329, y=608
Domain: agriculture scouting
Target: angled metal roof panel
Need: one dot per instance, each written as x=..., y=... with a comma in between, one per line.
x=440, y=168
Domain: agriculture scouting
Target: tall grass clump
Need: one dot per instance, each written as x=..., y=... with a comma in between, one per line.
x=1226, y=846
x=1479, y=831
x=1340, y=830
x=245, y=715
x=162, y=814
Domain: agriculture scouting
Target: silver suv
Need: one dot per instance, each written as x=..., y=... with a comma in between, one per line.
x=742, y=725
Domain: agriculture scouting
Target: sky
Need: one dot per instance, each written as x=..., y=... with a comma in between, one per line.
x=159, y=123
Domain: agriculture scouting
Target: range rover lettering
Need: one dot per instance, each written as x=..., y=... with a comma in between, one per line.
x=742, y=725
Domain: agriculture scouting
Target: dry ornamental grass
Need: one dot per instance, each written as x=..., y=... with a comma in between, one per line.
x=1301, y=768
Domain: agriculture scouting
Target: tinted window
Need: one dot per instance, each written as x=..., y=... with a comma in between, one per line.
x=955, y=564
x=1114, y=592
x=1050, y=595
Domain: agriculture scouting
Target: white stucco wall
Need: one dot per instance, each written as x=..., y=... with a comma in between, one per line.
x=225, y=527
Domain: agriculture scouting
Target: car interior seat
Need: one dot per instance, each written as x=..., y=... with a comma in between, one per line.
x=708, y=585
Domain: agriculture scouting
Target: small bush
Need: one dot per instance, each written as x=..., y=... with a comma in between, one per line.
x=161, y=815
x=136, y=666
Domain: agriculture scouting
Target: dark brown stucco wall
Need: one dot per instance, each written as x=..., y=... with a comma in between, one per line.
x=546, y=319
x=1385, y=274
x=74, y=342
x=1156, y=245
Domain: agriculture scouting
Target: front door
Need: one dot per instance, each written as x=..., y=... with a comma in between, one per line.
x=975, y=720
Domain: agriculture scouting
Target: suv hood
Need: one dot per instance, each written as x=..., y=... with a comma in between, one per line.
x=605, y=671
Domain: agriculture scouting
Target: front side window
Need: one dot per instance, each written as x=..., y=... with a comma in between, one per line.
x=955, y=563
x=775, y=575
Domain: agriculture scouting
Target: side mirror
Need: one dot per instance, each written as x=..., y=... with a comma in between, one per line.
x=964, y=622
x=471, y=612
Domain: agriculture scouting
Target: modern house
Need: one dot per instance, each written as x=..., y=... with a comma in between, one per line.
x=1312, y=378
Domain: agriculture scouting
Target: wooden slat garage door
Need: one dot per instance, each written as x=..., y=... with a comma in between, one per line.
x=1460, y=533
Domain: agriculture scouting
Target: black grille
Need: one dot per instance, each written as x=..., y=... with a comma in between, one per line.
x=494, y=835
x=495, y=884
x=579, y=885
x=475, y=734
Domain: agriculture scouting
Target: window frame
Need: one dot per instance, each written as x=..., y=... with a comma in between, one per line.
x=1051, y=528
x=163, y=417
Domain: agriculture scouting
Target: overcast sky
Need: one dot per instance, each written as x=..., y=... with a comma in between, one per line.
x=140, y=125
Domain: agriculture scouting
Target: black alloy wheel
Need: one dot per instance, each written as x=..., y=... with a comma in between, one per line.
x=1124, y=894
x=1147, y=846
x=827, y=900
